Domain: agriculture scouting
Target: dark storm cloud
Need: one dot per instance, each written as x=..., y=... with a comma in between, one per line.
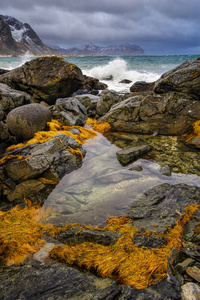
x=165, y=26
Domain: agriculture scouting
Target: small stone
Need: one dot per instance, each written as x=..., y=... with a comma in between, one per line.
x=127, y=155
x=190, y=291
x=192, y=250
x=136, y=168
x=194, y=272
x=181, y=267
x=165, y=170
x=127, y=81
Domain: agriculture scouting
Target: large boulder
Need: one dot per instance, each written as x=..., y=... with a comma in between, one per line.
x=184, y=78
x=26, y=120
x=45, y=78
x=169, y=114
x=70, y=111
x=106, y=100
x=11, y=98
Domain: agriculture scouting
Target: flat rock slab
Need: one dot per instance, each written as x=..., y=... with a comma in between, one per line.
x=126, y=156
x=194, y=272
x=162, y=205
x=60, y=282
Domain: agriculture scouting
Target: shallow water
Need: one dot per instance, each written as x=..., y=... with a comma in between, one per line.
x=102, y=187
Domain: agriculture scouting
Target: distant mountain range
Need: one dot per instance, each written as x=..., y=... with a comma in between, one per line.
x=16, y=38
x=91, y=49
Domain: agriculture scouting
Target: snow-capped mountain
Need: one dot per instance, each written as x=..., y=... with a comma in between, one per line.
x=91, y=49
x=17, y=38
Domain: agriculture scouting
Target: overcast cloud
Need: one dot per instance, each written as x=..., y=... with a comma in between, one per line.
x=158, y=26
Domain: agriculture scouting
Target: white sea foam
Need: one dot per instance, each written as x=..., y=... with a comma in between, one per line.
x=116, y=70
x=10, y=63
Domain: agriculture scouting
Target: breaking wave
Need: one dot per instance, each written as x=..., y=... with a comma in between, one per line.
x=116, y=70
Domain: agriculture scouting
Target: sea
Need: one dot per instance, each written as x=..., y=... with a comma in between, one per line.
x=112, y=69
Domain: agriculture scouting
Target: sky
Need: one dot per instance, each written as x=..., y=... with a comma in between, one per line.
x=158, y=26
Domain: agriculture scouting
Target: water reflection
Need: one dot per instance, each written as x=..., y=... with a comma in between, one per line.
x=102, y=187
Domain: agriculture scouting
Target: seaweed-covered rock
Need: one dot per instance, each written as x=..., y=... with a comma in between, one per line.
x=28, y=119
x=45, y=78
x=51, y=155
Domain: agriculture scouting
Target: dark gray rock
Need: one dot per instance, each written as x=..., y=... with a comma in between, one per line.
x=26, y=120
x=194, y=143
x=45, y=78
x=127, y=155
x=169, y=114
x=51, y=155
x=149, y=241
x=89, y=101
x=162, y=205
x=1, y=113
x=77, y=236
x=56, y=281
x=192, y=250
x=3, y=131
x=70, y=111
x=127, y=81
x=165, y=170
x=11, y=98
x=136, y=168
x=142, y=86
x=106, y=100
x=169, y=288
x=25, y=189
x=184, y=79
x=181, y=267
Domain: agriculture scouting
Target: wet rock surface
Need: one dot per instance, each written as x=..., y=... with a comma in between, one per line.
x=128, y=155
x=162, y=205
x=60, y=282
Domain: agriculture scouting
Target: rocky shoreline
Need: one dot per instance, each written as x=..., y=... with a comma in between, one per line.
x=44, y=106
